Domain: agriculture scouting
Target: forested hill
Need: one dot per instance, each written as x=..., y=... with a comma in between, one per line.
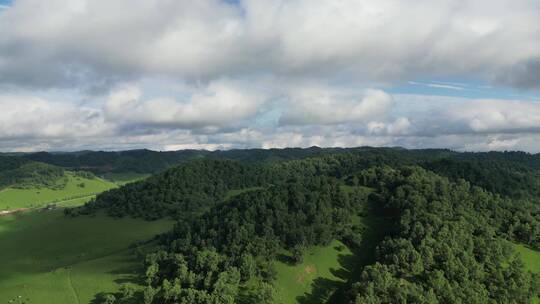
x=21, y=173
x=11, y=162
x=147, y=161
x=202, y=182
x=450, y=217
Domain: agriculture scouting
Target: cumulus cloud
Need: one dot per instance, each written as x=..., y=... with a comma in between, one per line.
x=31, y=117
x=93, y=43
x=217, y=105
x=400, y=126
x=323, y=106
x=493, y=116
x=437, y=115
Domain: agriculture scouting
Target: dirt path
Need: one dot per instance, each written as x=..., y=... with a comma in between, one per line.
x=71, y=287
x=59, y=203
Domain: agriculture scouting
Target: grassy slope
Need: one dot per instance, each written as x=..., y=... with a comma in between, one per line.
x=29, y=198
x=531, y=258
x=124, y=178
x=50, y=258
x=321, y=269
x=334, y=265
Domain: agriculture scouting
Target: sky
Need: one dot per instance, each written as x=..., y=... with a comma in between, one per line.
x=225, y=74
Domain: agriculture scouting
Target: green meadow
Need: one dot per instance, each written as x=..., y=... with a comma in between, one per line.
x=530, y=257
x=323, y=275
x=77, y=191
x=50, y=258
x=320, y=268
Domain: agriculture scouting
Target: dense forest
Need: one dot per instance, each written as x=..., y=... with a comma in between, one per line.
x=452, y=219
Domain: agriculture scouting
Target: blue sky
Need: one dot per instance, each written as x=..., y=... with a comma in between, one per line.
x=125, y=74
x=464, y=88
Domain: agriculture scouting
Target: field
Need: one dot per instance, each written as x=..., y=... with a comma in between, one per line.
x=50, y=258
x=73, y=194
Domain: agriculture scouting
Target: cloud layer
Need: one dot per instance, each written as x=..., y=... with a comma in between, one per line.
x=83, y=42
x=213, y=74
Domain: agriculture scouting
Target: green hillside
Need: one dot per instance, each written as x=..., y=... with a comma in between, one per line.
x=50, y=258
x=316, y=278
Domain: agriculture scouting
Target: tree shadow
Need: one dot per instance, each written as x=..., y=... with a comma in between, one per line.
x=322, y=290
x=285, y=259
x=132, y=274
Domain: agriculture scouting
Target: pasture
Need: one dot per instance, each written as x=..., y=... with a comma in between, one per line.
x=50, y=258
x=77, y=191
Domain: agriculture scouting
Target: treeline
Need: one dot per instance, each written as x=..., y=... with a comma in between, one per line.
x=146, y=161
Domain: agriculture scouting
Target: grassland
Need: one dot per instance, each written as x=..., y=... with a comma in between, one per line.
x=321, y=268
x=324, y=274
x=50, y=258
x=531, y=259
x=77, y=191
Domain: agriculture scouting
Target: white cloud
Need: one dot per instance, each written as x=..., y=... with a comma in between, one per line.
x=436, y=115
x=31, y=117
x=326, y=106
x=93, y=43
x=217, y=105
x=497, y=115
x=400, y=126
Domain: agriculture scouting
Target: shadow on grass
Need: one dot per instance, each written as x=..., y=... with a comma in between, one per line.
x=132, y=275
x=285, y=259
x=137, y=298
